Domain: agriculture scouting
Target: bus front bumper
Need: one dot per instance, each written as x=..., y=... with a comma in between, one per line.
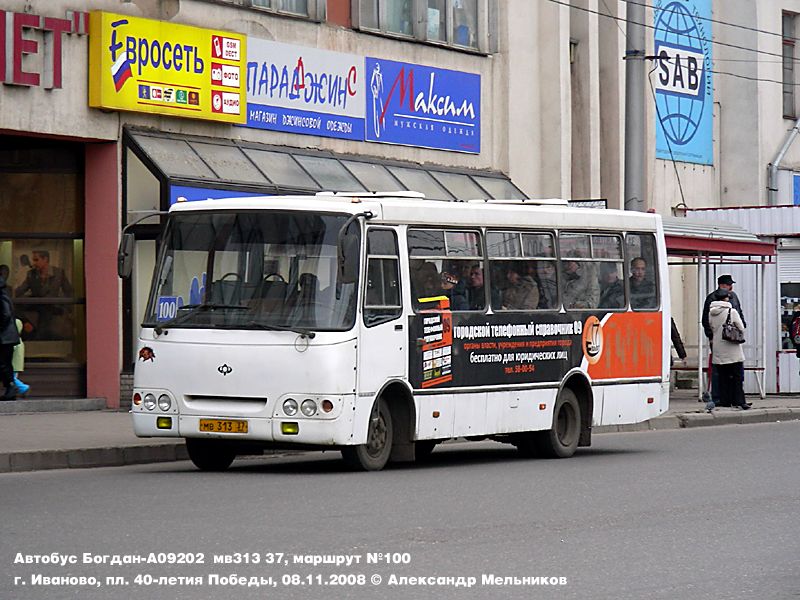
x=321, y=432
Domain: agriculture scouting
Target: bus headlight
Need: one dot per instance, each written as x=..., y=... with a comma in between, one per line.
x=290, y=407
x=309, y=407
x=164, y=403
x=149, y=401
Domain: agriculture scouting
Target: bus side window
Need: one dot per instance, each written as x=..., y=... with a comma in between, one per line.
x=640, y=253
x=382, y=296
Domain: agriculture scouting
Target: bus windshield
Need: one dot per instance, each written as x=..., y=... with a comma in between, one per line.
x=252, y=270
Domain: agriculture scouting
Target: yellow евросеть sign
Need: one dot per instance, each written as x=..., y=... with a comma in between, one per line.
x=143, y=65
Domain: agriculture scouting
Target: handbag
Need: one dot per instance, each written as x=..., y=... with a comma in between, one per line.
x=731, y=333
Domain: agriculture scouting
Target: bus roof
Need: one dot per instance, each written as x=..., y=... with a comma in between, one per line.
x=414, y=209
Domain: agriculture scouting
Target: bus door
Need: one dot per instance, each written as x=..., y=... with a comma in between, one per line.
x=383, y=340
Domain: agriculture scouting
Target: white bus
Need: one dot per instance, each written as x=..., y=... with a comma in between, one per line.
x=381, y=325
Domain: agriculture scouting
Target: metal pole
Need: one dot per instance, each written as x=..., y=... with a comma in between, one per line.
x=634, y=107
x=700, y=333
x=763, y=328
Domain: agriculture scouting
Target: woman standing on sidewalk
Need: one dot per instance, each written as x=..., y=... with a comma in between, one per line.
x=727, y=357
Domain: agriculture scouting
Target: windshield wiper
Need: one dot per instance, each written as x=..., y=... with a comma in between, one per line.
x=193, y=310
x=303, y=332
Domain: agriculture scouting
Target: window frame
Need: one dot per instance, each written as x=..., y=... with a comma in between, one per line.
x=317, y=9
x=480, y=231
x=486, y=25
x=596, y=260
x=788, y=72
x=656, y=275
x=396, y=258
x=525, y=259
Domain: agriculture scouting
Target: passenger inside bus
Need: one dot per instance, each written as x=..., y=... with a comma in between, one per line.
x=612, y=293
x=426, y=281
x=642, y=284
x=476, y=292
x=455, y=290
x=521, y=292
x=581, y=288
x=548, y=289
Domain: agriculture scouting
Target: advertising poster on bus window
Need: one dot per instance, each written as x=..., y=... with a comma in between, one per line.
x=684, y=93
x=462, y=350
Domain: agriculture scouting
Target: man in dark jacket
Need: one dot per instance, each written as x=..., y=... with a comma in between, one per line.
x=8, y=339
x=724, y=286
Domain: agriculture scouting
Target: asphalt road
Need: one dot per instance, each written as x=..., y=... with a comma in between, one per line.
x=708, y=513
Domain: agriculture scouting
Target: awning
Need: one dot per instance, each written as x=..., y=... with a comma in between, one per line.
x=686, y=236
x=237, y=164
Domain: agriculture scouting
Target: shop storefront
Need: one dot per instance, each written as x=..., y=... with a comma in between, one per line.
x=42, y=247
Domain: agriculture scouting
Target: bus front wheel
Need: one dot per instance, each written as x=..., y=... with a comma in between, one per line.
x=210, y=455
x=562, y=440
x=373, y=455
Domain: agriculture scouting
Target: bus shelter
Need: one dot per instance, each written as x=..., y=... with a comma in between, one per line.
x=710, y=247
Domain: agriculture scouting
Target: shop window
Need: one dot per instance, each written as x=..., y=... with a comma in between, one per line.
x=41, y=247
x=458, y=23
x=790, y=305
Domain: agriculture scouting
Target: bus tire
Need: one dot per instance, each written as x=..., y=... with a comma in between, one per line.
x=423, y=449
x=562, y=440
x=210, y=455
x=373, y=455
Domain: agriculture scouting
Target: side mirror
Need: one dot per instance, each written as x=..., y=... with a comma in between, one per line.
x=125, y=255
x=349, y=250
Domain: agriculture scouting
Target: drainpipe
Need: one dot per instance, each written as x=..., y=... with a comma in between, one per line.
x=772, y=169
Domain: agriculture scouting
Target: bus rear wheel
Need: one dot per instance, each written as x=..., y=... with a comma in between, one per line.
x=562, y=440
x=373, y=455
x=210, y=455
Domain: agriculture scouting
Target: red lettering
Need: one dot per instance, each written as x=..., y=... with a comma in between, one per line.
x=57, y=27
x=24, y=46
x=399, y=79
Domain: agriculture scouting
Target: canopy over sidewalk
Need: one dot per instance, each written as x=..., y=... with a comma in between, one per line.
x=704, y=243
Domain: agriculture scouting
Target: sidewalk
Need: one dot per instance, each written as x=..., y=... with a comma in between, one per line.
x=87, y=437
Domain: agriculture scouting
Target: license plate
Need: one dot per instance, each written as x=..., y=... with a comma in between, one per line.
x=223, y=426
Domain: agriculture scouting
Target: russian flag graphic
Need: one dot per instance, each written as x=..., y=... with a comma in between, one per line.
x=121, y=71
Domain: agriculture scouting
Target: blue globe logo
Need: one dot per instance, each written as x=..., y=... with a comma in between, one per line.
x=680, y=114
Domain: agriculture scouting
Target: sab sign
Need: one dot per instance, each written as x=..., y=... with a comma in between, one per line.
x=684, y=91
x=158, y=67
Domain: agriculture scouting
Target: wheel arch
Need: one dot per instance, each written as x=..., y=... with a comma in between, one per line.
x=398, y=396
x=577, y=382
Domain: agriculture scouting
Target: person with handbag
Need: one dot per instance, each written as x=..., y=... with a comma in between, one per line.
x=727, y=355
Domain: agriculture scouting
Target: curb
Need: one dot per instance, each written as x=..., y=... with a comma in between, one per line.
x=704, y=419
x=41, y=460
x=51, y=405
x=85, y=458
